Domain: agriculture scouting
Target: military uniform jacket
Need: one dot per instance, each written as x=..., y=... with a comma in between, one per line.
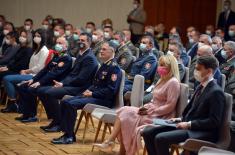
x=124, y=58
x=56, y=69
x=83, y=71
x=107, y=81
x=146, y=66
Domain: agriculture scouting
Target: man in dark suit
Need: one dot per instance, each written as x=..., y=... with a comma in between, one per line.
x=226, y=18
x=201, y=118
x=77, y=81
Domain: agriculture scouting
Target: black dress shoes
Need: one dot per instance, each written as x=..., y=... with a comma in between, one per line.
x=29, y=119
x=55, y=128
x=63, y=140
x=12, y=106
x=48, y=126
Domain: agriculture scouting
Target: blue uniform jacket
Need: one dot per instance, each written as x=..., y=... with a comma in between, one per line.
x=107, y=81
x=56, y=69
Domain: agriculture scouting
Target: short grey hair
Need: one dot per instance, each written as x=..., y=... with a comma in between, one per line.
x=216, y=38
x=208, y=37
x=231, y=45
x=206, y=49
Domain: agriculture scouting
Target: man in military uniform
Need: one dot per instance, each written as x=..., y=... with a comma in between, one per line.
x=97, y=41
x=57, y=69
x=145, y=65
x=135, y=51
x=102, y=92
x=77, y=81
x=122, y=54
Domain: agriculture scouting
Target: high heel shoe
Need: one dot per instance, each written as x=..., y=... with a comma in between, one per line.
x=106, y=146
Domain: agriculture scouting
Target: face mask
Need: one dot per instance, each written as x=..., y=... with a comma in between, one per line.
x=22, y=40
x=200, y=44
x=94, y=38
x=214, y=47
x=198, y=76
x=59, y=48
x=50, y=21
x=37, y=40
x=116, y=42
x=88, y=30
x=135, y=6
x=162, y=71
x=208, y=32
x=56, y=33
x=81, y=45
x=224, y=54
x=106, y=35
x=45, y=27
x=231, y=33
x=27, y=27
x=143, y=47
x=67, y=33
x=191, y=40
x=5, y=32
x=75, y=37
x=7, y=41
x=171, y=53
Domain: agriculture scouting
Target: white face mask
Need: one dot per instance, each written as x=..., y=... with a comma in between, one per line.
x=56, y=34
x=7, y=41
x=208, y=32
x=94, y=38
x=67, y=33
x=200, y=44
x=88, y=30
x=37, y=40
x=198, y=76
x=214, y=47
x=45, y=27
x=169, y=52
x=27, y=27
x=5, y=32
x=106, y=35
x=191, y=40
x=22, y=40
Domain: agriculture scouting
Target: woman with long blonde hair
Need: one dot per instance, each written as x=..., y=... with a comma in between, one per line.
x=130, y=120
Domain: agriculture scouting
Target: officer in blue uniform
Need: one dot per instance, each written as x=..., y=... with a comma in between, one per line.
x=102, y=92
x=145, y=65
x=57, y=69
x=76, y=82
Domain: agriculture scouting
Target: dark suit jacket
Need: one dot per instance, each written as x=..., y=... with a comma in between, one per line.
x=83, y=71
x=206, y=113
x=192, y=52
x=222, y=23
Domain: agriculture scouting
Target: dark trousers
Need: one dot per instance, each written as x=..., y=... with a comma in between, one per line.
x=69, y=109
x=50, y=99
x=158, y=139
x=28, y=99
x=135, y=38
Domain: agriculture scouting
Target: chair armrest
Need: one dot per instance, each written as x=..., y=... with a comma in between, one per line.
x=195, y=144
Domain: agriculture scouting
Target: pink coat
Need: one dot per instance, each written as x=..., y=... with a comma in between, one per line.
x=163, y=105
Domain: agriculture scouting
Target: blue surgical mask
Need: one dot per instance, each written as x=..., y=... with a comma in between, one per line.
x=75, y=37
x=116, y=42
x=59, y=48
x=224, y=54
x=143, y=47
x=231, y=33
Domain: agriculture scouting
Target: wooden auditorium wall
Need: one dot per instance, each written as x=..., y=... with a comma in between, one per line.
x=181, y=13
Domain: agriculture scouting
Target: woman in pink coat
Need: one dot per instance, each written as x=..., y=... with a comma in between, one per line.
x=131, y=120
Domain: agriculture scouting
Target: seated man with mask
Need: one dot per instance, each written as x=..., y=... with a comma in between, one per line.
x=145, y=65
x=201, y=118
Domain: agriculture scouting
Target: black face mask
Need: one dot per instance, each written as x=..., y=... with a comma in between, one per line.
x=81, y=45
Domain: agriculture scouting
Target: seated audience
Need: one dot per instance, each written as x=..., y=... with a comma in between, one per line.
x=201, y=118
x=105, y=86
x=131, y=120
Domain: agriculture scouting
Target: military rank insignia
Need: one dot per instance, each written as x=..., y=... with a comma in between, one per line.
x=114, y=77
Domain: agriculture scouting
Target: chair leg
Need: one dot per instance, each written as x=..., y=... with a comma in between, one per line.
x=40, y=107
x=104, y=132
x=79, y=121
x=174, y=149
x=92, y=122
x=7, y=98
x=97, y=133
x=109, y=127
x=86, y=126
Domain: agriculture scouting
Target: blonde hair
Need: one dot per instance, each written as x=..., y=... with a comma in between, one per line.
x=171, y=62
